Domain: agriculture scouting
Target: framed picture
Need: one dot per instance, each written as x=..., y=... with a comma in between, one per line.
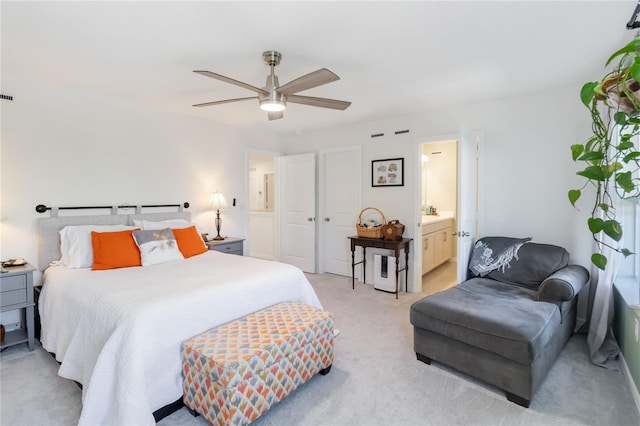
x=389, y=172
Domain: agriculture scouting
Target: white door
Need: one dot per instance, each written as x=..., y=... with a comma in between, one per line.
x=298, y=200
x=340, y=201
x=467, y=199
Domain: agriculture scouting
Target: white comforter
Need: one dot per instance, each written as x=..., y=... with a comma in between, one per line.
x=118, y=332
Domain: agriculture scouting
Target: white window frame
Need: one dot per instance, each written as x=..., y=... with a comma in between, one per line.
x=628, y=275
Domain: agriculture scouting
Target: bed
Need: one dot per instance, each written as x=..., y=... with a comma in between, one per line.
x=118, y=332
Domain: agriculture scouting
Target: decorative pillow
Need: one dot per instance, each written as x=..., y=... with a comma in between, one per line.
x=148, y=225
x=189, y=241
x=113, y=250
x=157, y=246
x=75, y=243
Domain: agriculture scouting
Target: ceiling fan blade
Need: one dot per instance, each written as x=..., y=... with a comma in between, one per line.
x=275, y=115
x=318, y=102
x=308, y=81
x=226, y=101
x=232, y=81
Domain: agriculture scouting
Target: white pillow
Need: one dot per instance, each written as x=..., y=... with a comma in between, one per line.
x=147, y=225
x=157, y=246
x=75, y=243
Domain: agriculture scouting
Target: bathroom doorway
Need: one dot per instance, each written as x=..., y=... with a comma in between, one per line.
x=439, y=195
x=262, y=205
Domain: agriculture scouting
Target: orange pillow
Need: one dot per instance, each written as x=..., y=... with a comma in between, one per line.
x=113, y=250
x=189, y=242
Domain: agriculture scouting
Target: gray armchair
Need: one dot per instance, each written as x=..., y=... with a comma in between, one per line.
x=507, y=326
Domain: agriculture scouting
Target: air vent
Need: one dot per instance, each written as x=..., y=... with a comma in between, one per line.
x=6, y=97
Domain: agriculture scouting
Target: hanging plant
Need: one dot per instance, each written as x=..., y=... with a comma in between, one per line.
x=610, y=156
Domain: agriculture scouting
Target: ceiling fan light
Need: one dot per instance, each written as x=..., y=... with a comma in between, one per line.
x=272, y=105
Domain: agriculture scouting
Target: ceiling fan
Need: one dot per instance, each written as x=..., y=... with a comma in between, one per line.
x=273, y=98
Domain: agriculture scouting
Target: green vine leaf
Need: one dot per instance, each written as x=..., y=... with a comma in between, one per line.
x=634, y=71
x=632, y=46
x=595, y=224
x=625, y=181
x=625, y=144
x=610, y=169
x=620, y=117
x=576, y=150
x=599, y=260
x=587, y=92
x=599, y=91
x=613, y=229
x=593, y=140
x=604, y=207
x=626, y=252
x=631, y=156
x=592, y=156
x=574, y=194
x=593, y=173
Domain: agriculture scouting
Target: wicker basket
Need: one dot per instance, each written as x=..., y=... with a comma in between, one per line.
x=374, y=232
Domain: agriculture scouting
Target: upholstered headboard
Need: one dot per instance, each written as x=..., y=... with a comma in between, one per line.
x=47, y=229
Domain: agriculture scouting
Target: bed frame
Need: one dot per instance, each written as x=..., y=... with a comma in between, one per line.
x=47, y=228
x=48, y=244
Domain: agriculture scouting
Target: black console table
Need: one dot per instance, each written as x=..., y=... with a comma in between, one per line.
x=396, y=246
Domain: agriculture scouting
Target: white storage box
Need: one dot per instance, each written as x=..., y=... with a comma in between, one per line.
x=384, y=273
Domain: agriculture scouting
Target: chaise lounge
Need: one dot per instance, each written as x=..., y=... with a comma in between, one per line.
x=509, y=321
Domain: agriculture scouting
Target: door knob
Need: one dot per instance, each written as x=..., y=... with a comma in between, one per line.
x=310, y=219
x=326, y=219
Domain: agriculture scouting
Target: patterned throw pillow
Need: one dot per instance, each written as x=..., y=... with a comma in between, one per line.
x=157, y=246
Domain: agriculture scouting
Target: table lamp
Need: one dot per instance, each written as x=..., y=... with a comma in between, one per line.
x=218, y=203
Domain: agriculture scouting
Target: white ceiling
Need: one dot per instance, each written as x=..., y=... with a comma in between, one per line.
x=394, y=58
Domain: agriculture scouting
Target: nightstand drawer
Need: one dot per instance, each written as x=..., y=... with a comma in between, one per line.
x=239, y=253
x=13, y=297
x=227, y=248
x=12, y=283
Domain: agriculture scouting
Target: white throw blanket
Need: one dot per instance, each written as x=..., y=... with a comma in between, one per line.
x=118, y=332
x=492, y=253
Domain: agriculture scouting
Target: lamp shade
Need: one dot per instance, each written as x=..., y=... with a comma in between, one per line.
x=218, y=201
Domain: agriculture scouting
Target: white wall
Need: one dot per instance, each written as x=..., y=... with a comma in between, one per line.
x=526, y=170
x=67, y=148
x=62, y=148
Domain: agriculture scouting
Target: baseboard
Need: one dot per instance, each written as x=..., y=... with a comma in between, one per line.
x=632, y=386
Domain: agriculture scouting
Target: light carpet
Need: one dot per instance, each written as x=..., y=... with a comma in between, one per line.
x=375, y=380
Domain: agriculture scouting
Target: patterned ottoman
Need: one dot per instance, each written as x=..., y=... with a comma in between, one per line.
x=234, y=373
